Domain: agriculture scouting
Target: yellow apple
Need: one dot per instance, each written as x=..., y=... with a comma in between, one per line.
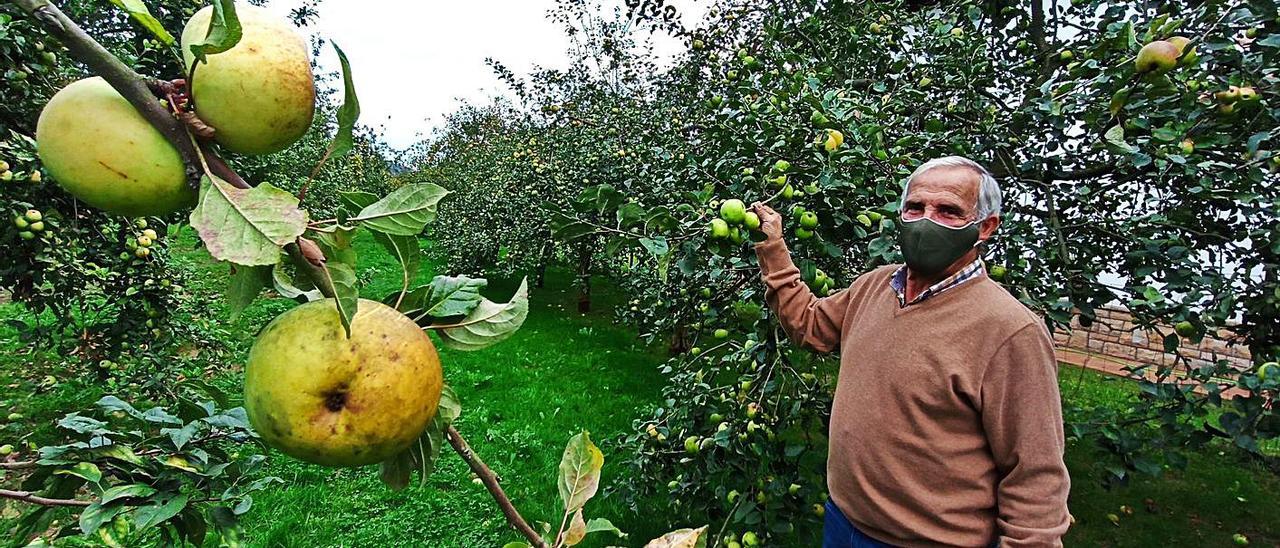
x=317, y=395
x=259, y=96
x=1157, y=57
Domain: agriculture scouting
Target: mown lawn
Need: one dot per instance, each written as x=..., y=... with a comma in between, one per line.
x=562, y=373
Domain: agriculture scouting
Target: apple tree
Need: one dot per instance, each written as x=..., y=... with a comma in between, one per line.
x=367, y=386
x=1131, y=176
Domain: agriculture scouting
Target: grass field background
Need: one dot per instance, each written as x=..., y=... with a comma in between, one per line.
x=562, y=373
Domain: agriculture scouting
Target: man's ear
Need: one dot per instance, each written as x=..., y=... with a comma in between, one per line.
x=987, y=228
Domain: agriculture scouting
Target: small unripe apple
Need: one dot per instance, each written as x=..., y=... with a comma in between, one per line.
x=691, y=444
x=1157, y=57
x=144, y=241
x=35, y=177
x=721, y=333
x=15, y=416
x=695, y=351
x=33, y=215
x=20, y=222
x=6, y=450
x=1187, y=147
x=1248, y=94
x=142, y=252
x=957, y=32
x=27, y=235
x=37, y=226
x=150, y=234
x=1066, y=55
x=793, y=488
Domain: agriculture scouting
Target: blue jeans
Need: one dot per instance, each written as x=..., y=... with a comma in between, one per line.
x=837, y=532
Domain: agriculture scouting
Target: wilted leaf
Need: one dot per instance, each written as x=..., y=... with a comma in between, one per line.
x=396, y=471
x=246, y=226
x=224, y=32
x=579, y=472
x=488, y=324
x=683, y=538
x=577, y=529
x=405, y=211
x=138, y=11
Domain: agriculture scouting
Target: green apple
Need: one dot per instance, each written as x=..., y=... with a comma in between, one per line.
x=733, y=211
x=33, y=215
x=781, y=166
x=37, y=226
x=809, y=220
x=719, y=228
x=864, y=219
x=6, y=450
x=1268, y=369
x=695, y=351
x=751, y=220
x=27, y=235
x=998, y=272
x=804, y=233
x=142, y=252
x=20, y=222
x=691, y=445
x=957, y=32
x=715, y=417
x=15, y=417
x=1240, y=540
x=1186, y=329
x=749, y=538
x=144, y=241
x=721, y=333
x=114, y=160
x=793, y=488
x=318, y=395
x=148, y=233
x=1187, y=146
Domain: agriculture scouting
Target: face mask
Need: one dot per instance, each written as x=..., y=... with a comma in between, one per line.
x=929, y=247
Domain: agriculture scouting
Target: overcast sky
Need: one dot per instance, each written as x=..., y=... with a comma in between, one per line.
x=413, y=60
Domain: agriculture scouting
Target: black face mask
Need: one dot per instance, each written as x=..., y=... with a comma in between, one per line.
x=929, y=248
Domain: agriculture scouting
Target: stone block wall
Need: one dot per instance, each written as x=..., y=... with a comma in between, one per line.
x=1115, y=336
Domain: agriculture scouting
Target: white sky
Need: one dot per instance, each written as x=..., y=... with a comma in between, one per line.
x=413, y=60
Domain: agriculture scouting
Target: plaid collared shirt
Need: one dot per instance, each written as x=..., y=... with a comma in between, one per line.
x=899, y=282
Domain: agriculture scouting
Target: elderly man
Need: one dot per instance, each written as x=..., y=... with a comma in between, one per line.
x=946, y=429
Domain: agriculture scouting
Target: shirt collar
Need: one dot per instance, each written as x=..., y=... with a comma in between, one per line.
x=899, y=282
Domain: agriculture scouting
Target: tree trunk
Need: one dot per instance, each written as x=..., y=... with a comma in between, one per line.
x=584, y=279
x=679, y=340
x=540, y=279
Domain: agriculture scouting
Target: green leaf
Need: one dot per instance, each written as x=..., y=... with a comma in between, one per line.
x=138, y=11
x=396, y=471
x=516, y=544
x=246, y=283
x=120, y=452
x=87, y=470
x=291, y=287
x=579, y=472
x=155, y=514
x=446, y=296
x=404, y=249
x=405, y=211
x=346, y=295
x=683, y=538
x=488, y=324
x=354, y=201
x=602, y=525
x=246, y=226
x=132, y=490
x=450, y=407
x=657, y=246
x=96, y=514
x=224, y=32
x=567, y=229
x=1115, y=136
x=336, y=243
x=227, y=525
x=343, y=140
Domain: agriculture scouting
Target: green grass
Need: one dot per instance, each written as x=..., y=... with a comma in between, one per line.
x=562, y=373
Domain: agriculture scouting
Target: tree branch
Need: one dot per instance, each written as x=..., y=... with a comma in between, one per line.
x=31, y=498
x=20, y=465
x=130, y=84
x=491, y=483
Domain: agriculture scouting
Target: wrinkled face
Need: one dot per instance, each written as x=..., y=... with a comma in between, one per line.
x=947, y=195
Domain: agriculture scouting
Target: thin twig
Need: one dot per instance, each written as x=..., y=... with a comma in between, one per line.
x=491, y=483
x=32, y=498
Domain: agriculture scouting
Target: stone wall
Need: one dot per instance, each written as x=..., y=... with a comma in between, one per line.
x=1114, y=336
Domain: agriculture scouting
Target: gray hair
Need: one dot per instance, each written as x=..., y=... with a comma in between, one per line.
x=988, y=188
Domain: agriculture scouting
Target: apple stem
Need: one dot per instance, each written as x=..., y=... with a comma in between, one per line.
x=491, y=483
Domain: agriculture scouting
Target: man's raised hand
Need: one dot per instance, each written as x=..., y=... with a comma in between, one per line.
x=770, y=221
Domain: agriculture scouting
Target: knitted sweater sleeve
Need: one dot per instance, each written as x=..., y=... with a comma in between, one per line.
x=1022, y=417
x=809, y=321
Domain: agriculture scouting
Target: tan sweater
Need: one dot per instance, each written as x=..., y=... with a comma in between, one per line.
x=946, y=429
